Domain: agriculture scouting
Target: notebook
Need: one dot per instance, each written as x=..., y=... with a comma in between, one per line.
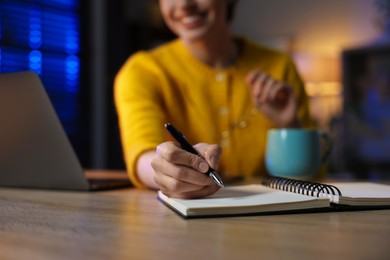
x=34, y=149
x=281, y=195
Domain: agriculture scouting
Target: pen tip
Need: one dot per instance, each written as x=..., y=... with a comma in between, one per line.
x=217, y=179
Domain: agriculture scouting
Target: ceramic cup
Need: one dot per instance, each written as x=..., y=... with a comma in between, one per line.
x=296, y=153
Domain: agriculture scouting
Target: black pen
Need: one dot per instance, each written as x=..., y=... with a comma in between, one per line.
x=180, y=138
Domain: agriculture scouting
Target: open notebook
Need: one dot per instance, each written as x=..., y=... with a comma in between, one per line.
x=280, y=195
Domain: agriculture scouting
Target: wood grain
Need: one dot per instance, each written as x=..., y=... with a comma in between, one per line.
x=133, y=224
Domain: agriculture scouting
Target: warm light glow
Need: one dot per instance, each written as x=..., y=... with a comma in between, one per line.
x=317, y=68
x=321, y=74
x=323, y=89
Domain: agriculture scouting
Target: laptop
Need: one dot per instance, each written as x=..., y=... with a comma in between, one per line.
x=34, y=149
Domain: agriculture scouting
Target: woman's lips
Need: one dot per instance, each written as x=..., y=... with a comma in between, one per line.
x=192, y=21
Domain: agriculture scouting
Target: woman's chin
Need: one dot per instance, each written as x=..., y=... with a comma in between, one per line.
x=193, y=35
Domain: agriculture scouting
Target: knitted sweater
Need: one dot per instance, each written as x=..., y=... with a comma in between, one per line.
x=168, y=84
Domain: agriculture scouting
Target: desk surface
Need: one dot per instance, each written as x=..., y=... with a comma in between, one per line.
x=133, y=224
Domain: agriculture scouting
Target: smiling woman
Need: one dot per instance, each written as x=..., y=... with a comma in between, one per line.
x=190, y=20
x=198, y=21
x=224, y=91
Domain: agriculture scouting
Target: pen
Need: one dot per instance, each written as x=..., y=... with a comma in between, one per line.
x=180, y=138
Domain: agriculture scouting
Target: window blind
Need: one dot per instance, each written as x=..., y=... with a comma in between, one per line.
x=43, y=36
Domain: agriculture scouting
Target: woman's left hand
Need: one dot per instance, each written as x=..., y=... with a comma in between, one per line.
x=274, y=98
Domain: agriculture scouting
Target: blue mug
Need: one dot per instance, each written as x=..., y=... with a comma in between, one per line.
x=296, y=153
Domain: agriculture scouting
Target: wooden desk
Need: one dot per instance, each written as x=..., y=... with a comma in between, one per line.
x=132, y=224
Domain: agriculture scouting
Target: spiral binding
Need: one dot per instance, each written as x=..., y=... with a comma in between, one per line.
x=301, y=187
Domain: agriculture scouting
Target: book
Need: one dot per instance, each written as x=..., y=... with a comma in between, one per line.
x=282, y=195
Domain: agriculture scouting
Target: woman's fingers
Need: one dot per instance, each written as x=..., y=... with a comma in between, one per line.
x=274, y=98
x=256, y=80
x=265, y=89
x=181, y=174
x=211, y=153
x=171, y=152
x=205, y=191
x=179, y=189
x=171, y=185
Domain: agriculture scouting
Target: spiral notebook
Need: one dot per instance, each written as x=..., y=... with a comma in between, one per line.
x=281, y=195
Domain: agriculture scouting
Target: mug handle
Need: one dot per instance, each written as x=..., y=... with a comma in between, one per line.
x=328, y=139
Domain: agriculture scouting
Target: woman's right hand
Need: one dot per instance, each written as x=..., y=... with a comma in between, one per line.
x=181, y=174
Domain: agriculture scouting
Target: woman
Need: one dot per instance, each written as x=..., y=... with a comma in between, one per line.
x=223, y=92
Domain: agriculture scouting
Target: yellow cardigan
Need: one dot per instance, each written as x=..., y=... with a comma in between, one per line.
x=168, y=84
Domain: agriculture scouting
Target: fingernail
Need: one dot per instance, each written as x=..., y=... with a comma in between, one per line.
x=203, y=167
x=158, y=150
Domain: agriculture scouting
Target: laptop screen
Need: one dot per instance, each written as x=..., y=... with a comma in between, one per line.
x=34, y=149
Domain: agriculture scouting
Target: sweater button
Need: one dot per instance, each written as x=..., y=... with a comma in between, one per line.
x=220, y=77
x=243, y=124
x=226, y=134
x=223, y=111
x=254, y=111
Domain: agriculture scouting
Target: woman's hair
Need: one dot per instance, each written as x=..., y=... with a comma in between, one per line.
x=230, y=10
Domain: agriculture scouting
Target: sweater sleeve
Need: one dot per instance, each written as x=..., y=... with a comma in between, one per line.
x=140, y=110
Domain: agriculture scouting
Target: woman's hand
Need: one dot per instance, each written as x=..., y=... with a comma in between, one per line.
x=274, y=98
x=181, y=174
